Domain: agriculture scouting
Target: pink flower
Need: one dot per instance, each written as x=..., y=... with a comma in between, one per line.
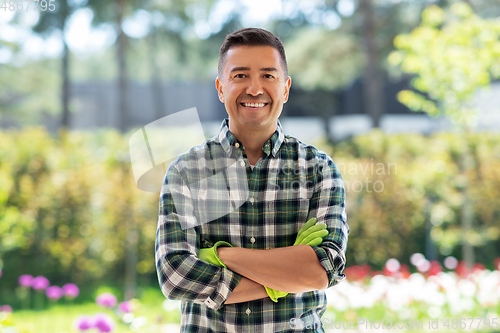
x=126, y=307
x=435, y=268
x=478, y=267
x=54, y=292
x=71, y=290
x=107, y=300
x=84, y=323
x=358, y=272
x=103, y=322
x=25, y=280
x=40, y=283
x=6, y=308
x=462, y=270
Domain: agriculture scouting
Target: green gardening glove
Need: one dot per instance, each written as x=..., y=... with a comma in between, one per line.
x=310, y=234
x=210, y=255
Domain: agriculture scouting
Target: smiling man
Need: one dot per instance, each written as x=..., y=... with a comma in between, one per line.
x=261, y=267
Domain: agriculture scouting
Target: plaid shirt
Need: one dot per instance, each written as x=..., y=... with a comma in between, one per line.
x=290, y=184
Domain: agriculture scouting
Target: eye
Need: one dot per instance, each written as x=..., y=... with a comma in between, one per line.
x=269, y=76
x=240, y=76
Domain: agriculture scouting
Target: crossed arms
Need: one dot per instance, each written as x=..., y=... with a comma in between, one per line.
x=292, y=269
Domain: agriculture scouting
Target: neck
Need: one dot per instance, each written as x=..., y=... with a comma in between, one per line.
x=253, y=140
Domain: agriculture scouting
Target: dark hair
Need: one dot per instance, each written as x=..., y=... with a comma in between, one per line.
x=251, y=37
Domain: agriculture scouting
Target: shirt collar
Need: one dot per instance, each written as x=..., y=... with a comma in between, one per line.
x=228, y=140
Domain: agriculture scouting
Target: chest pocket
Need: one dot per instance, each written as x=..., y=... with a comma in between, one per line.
x=290, y=195
x=286, y=210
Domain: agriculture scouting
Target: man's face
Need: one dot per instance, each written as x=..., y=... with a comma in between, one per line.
x=253, y=87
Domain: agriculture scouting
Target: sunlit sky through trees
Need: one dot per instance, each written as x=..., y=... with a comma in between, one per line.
x=16, y=27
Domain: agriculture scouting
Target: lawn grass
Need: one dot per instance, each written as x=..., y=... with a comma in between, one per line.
x=60, y=318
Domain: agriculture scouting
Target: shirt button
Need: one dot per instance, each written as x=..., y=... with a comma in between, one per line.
x=237, y=145
x=248, y=311
x=242, y=163
x=252, y=200
x=252, y=240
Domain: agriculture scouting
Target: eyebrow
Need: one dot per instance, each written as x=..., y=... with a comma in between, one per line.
x=265, y=69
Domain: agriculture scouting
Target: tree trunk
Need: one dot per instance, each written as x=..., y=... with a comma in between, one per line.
x=156, y=86
x=131, y=260
x=326, y=123
x=122, y=70
x=467, y=210
x=467, y=214
x=329, y=112
x=372, y=85
x=430, y=247
x=65, y=94
x=65, y=87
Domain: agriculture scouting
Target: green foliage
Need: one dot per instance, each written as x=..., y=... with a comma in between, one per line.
x=395, y=184
x=452, y=55
x=66, y=207
x=321, y=59
x=69, y=206
x=27, y=91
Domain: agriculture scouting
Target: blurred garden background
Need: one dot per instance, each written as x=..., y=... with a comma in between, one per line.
x=403, y=94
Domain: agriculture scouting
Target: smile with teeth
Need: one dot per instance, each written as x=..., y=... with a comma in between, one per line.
x=254, y=105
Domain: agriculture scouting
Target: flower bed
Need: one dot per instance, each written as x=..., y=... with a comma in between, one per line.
x=458, y=298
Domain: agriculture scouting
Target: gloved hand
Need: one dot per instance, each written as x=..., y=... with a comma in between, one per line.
x=210, y=255
x=310, y=234
x=275, y=294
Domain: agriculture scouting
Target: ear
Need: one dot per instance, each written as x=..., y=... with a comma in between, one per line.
x=220, y=92
x=288, y=84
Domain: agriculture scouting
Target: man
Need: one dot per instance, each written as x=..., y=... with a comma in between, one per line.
x=251, y=270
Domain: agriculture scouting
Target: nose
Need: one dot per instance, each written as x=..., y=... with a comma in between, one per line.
x=255, y=87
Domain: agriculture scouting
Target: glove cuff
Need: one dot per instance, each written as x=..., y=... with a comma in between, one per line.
x=270, y=293
x=275, y=294
x=219, y=244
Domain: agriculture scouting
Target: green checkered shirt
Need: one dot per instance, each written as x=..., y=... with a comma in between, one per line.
x=290, y=184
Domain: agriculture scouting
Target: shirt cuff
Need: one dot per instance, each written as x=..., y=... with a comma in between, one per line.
x=227, y=282
x=333, y=262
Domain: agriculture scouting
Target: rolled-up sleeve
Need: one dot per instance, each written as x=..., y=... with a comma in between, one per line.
x=328, y=206
x=181, y=274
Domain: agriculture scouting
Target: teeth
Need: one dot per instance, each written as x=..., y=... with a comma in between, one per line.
x=254, y=105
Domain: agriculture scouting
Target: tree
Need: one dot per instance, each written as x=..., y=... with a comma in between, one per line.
x=161, y=32
x=114, y=12
x=323, y=61
x=27, y=88
x=373, y=91
x=452, y=55
x=371, y=25
x=56, y=20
